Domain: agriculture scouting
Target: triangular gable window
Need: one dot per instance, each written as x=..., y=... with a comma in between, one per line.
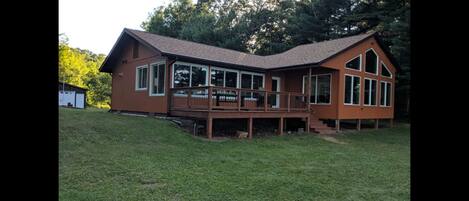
x=385, y=71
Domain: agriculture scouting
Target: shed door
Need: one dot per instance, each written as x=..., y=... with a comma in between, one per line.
x=80, y=100
x=66, y=98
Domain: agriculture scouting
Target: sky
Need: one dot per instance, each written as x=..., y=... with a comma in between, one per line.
x=96, y=24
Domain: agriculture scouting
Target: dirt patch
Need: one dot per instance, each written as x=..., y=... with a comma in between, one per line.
x=332, y=139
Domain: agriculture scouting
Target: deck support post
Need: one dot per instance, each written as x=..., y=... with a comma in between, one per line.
x=391, y=123
x=209, y=127
x=337, y=125
x=359, y=124
x=250, y=120
x=307, y=124
x=376, y=123
x=280, y=126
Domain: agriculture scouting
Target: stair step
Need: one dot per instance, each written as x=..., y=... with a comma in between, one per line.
x=319, y=126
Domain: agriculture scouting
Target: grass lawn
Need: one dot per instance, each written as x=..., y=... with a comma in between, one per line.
x=105, y=156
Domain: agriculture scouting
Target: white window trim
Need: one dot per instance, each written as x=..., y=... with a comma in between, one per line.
x=190, y=72
x=150, y=92
x=316, y=90
x=385, y=92
x=136, y=77
x=252, y=80
x=361, y=63
x=224, y=75
x=377, y=62
x=369, y=97
x=382, y=63
x=359, y=91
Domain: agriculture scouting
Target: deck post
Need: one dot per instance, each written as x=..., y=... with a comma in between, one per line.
x=210, y=98
x=265, y=101
x=359, y=124
x=309, y=89
x=376, y=123
x=189, y=96
x=307, y=124
x=250, y=120
x=337, y=125
x=391, y=123
x=209, y=127
x=239, y=99
x=280, y=126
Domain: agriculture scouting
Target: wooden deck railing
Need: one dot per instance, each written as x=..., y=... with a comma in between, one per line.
x=210, y=98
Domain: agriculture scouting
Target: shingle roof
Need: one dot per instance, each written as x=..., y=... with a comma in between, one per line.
x=301, y=55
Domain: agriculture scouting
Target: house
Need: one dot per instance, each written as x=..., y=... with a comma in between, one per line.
x=72, y=96
x=350, y=78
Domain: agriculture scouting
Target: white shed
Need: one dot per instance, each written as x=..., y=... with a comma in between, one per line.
x=72, y=96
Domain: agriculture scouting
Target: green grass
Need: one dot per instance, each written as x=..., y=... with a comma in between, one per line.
x=104, y=156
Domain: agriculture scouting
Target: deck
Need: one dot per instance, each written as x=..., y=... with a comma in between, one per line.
x=210, y=102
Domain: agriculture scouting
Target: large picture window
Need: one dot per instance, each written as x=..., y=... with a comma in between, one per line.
x=190, y=75
x=371, y=62
x=355, y=63
x=385, y=99
x=320, y=88
x=370, y=92
x=157, y=79
x=141, y=78
x=352, y=90
x=224, y=78
x=251, y=81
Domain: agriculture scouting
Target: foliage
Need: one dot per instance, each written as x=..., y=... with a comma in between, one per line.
x=81, y=68
x=267, y=27
x=105, y=156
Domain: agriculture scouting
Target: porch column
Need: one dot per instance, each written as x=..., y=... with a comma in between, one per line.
x=280, y=126
x=337, y=125
x=307, y=124
x=359, y=123
x=309, y=89
x=209, y=127
x=376, y=123
x=250, y=127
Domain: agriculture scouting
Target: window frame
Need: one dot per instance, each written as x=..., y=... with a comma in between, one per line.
x=361, y=63
x=224, y=75
x=157, y=64
x=377, y=62
x=316, y=90
x=369, y=97
x=252, y=82
x=359, y=91
x=190, y=72
x=381, y=72
x=137, y=77
x=385, y=93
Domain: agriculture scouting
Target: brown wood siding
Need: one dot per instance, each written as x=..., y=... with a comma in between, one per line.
x=361, y=111
x=124, y=95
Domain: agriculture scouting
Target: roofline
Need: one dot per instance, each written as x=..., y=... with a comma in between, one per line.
x=73, y=85
x=214, y=63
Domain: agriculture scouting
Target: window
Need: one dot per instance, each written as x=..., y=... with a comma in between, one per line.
x=135, y=50
x=352, y=90
x=251, y=81
x=189, y=75
x=355, y=63
x=385, y=71
x=370, y=92
x=224, y=78
x=385, y=94
x=371, y=62
x=141, y=78
x=320, y=88
x=157, y=77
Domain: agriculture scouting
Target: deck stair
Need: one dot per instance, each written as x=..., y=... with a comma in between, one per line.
x=318, y=126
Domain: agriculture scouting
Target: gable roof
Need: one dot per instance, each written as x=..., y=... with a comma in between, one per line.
x=307, y=54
